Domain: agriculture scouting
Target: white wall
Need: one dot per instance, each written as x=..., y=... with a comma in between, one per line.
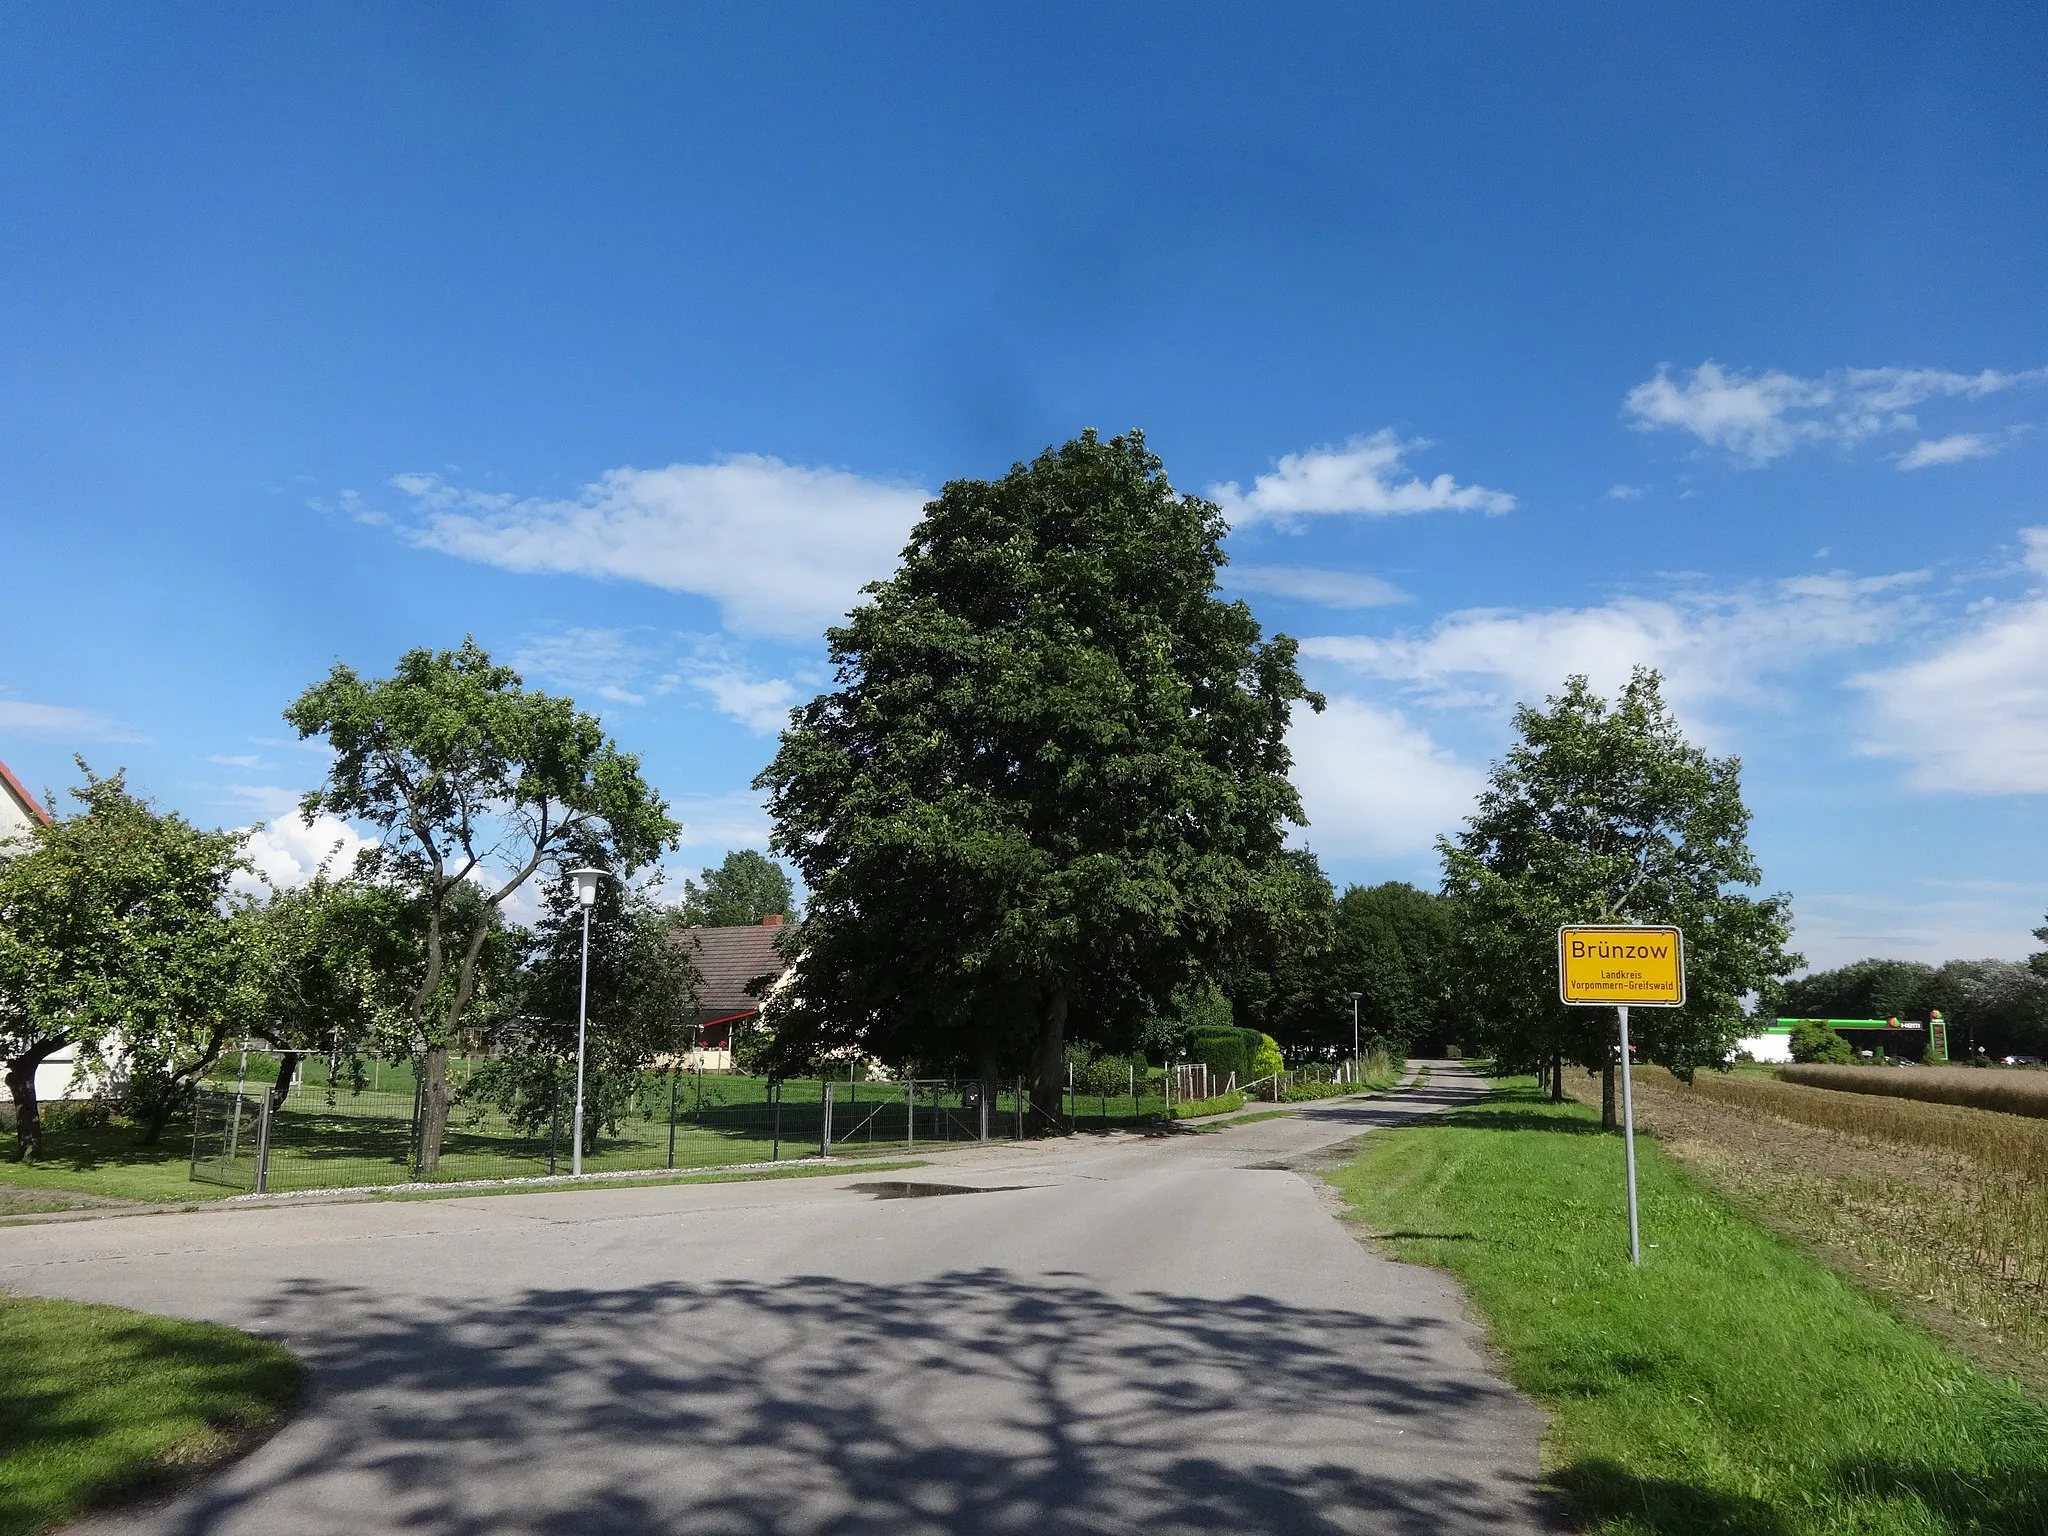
x=1766, y=1047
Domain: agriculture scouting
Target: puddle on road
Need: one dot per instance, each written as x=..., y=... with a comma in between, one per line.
x=907, y=1189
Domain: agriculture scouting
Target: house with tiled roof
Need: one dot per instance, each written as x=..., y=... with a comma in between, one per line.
x=20, y=812
x=729, y=961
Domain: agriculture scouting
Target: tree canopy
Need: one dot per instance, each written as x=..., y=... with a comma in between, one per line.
x=1604, y=812
x=473, y=781
x=746, y=887
x=114, y=941
x=1050, y=778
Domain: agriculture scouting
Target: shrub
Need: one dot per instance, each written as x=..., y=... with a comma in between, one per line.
x=1221, y=1104
x=1299, y=1093
x=1813, y=1041
x=1266, y=1060
x=1227, y=1048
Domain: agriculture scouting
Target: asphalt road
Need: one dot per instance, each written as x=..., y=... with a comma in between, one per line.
x=1113, y=1334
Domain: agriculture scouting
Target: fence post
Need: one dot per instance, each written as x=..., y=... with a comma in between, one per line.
x=263, y=1147
x=988, y=1091
x=417, y=1089
x=775, y=1093
x=825, y=1123
x=671, y=1117
x=198, y=1098
x=1017, y=1100
x=554, y=1114
x=910, y=1112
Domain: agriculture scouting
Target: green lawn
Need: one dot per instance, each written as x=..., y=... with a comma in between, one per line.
x=98, y=1402
x=1731, y=1385
x=108, y=1160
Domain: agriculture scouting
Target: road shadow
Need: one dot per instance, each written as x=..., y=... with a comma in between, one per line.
x=2005, y=1500
x=1599, y=1491
x=981, y=1401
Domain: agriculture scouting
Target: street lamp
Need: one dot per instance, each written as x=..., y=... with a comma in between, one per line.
x=586, y=894
x=1354, y=1027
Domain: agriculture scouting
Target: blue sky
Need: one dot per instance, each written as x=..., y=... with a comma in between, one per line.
x=1517, y=340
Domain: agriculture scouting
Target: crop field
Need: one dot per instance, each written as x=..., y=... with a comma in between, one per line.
x=2009, y=1090
x=1941, y=1207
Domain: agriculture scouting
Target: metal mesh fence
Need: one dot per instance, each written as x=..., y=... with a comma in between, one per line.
x=334, y=1135
x=225, y=1131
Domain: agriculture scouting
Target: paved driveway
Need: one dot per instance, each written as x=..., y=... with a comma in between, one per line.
x=1117, y=1334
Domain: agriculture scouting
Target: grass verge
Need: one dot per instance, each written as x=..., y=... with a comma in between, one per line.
x=746, y=1176
x=100, y=1403
x=1732, y=1385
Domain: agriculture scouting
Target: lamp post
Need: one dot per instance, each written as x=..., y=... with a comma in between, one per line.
x=1354, y=1029
x=586, y=894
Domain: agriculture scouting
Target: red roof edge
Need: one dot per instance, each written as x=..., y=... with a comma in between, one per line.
x=35, y=806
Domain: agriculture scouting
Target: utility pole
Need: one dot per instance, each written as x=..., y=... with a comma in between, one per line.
x=586, y=895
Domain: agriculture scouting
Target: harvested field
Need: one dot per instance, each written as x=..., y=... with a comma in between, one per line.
x=2006, y=1090
x=1944, y=1208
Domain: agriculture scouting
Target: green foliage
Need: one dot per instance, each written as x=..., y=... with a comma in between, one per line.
x=1051, y=777
x=1266, y=1060
x=113, y=940
x=1606, y=813
x=1225, y=1048
x=325, y=959
x=643, y=992
x=473, y=782
x=1392, y=944
x=98, y=1403
x=1812, y=1041
x=740, y=891
x=1730, y=1385
x=1195, y=1109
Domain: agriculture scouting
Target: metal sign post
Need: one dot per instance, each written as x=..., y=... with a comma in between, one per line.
x=1627, y=967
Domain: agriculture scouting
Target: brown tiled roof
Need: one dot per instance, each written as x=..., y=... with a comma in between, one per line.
x=727, y=959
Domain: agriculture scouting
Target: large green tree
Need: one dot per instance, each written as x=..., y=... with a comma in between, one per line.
x=471, y=779
x=1050, y=779
x=1604, y=812
x=1993, y=1007
x=642, y=993
x=115, y=942
x=742, y=889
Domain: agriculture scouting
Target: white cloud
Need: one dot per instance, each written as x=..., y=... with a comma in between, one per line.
x=761, y=704
x=61, y=720
x=734, y=820
x=1708, y=645
x=783, y=549
x=1366, y=475
x=1619, y=492
x=246, y=760
x=1973, y=716
x=285, y=851
x=1330, y=589
x=1373, y=784
x=1761, y=417
x=589, y=664
x=1952, y=449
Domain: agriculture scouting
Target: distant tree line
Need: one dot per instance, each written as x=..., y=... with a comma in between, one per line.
x=1993, y=1007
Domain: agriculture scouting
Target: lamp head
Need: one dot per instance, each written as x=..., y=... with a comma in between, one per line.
x=586, y=885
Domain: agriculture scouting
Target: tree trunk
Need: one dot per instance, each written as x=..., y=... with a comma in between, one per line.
x=1557, y=1077
x=1607, y=1117
x=287, y=1069
x=28, y=1114
x=1049, y=1057
x=433, y=1108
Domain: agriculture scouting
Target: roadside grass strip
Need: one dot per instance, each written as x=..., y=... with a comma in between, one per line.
x=1732, y=1385
x=100, y=1403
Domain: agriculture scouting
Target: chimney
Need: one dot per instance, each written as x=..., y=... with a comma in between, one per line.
x=772, y=920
